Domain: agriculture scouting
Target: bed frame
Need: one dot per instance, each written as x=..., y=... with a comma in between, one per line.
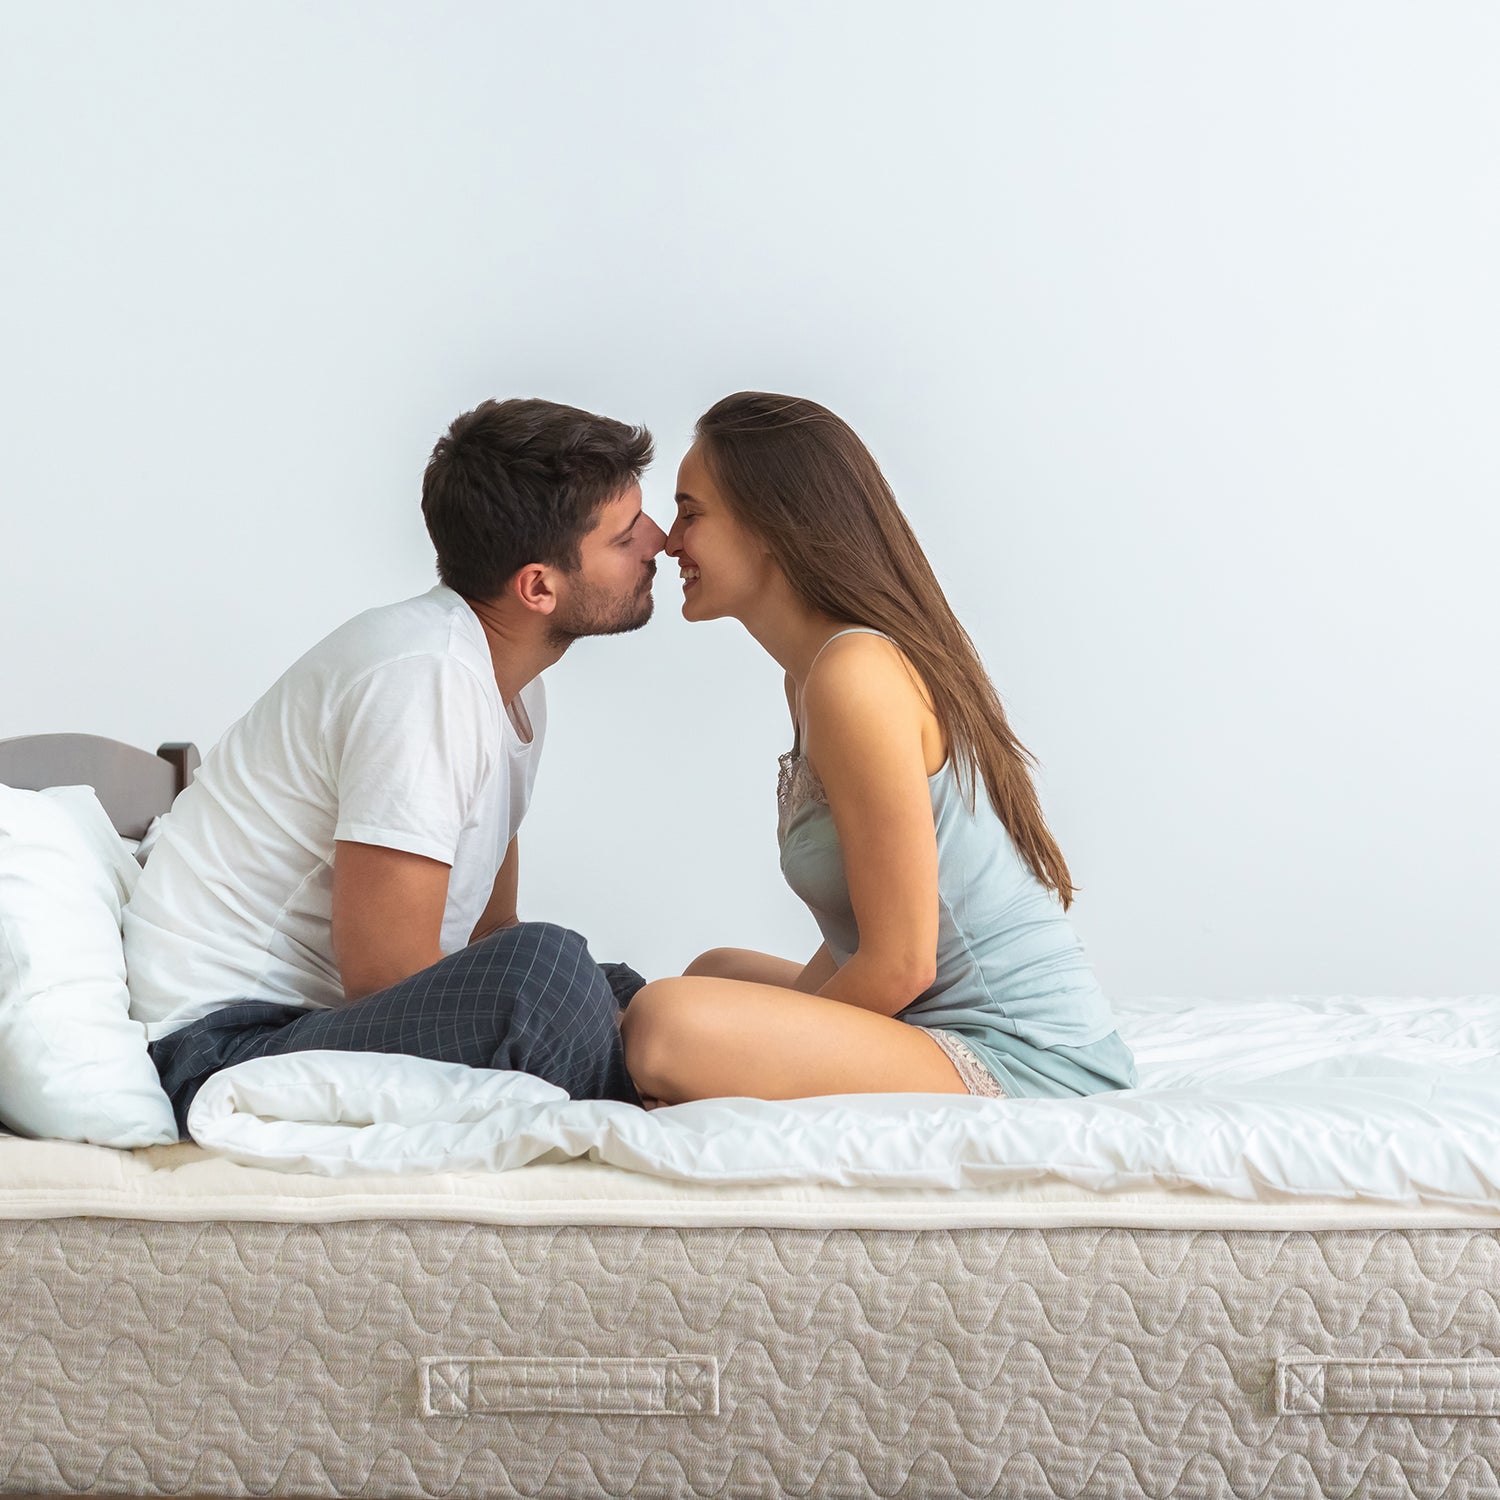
x=134, y=785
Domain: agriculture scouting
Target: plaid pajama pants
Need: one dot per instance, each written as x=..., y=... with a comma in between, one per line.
x=529, y=998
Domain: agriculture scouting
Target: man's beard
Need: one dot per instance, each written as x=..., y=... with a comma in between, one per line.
x=595, y=611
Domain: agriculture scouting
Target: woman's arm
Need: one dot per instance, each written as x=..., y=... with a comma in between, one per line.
x=820, y=968
x=864, y=721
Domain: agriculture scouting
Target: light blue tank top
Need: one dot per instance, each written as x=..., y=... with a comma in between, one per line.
x=1012, y=979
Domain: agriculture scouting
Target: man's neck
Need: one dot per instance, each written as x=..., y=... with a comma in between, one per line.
x=518, y=650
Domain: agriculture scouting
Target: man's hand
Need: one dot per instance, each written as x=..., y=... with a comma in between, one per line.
x=387, y=915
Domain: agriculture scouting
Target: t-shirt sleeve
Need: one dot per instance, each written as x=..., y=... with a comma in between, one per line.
x=409, y=746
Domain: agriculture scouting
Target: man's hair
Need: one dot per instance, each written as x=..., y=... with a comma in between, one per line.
x=521, y=481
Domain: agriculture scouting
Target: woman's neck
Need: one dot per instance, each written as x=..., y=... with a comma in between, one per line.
x=791, y=633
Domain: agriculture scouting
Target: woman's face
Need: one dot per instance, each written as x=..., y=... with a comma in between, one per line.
x=723, y=567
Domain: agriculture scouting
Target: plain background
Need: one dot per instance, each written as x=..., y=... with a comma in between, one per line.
x=1175, y=326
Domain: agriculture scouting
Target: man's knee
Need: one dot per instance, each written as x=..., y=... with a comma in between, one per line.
x=564, y=1015
x=549, y=973
x=560, y=947
x=571, y=966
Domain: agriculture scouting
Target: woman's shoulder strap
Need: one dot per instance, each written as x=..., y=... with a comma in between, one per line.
x=852, y=630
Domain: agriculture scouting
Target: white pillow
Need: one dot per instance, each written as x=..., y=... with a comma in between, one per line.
x=73, y=1065
x=110, y=851
x=142, y=850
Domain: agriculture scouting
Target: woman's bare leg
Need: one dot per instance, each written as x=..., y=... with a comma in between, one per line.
x=701, y=1037
x=744, y=964
x=735, y=963
x=762, y=968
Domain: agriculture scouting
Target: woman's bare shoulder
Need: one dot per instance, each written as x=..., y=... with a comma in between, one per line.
x=863, y=663
x=869, y=681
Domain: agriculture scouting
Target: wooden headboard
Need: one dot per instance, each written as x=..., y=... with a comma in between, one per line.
x=134, y=785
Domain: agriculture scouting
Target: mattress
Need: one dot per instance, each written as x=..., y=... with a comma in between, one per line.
x=179, y=1324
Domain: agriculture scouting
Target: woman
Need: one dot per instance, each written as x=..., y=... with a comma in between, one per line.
x=948, y=964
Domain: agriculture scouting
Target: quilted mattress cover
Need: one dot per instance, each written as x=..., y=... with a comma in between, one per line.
x=176, y=1324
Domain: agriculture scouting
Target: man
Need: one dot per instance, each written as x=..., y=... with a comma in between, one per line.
x=342, y=873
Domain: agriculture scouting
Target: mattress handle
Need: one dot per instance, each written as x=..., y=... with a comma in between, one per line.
x=1388, y=1387
x=674, y=1386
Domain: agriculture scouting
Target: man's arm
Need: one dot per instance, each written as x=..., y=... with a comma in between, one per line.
x=500, y=910
x=387, y=915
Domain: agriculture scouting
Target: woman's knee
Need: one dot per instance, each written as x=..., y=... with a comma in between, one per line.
x=745, y=964
x=653, y=1029
x=717, y=963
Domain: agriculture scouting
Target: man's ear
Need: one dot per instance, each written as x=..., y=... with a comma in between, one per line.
x=533, y=587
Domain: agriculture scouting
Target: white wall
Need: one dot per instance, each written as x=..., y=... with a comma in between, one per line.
x=1176, y=327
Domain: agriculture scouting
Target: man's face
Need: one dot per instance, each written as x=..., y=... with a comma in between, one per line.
x=611, y=592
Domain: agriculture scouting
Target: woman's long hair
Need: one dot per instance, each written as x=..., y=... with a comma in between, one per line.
x=799, y=478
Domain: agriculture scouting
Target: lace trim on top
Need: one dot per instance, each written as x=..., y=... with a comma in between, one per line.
x=796, y=785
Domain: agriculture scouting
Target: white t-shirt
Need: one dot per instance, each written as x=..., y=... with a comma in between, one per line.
x=390, y=731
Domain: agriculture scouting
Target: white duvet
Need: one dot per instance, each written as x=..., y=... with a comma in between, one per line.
x=1374, y=1100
